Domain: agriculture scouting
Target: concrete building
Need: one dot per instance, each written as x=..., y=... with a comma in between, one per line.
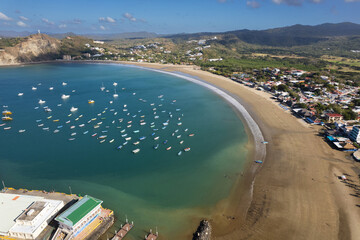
x=25, y=216
x=66, y=57
x=355, y=134
x=78, y=216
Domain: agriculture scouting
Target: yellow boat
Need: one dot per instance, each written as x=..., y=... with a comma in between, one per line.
x=6, y=118
x=56, y=120
x=91, y=101
x=6, y=112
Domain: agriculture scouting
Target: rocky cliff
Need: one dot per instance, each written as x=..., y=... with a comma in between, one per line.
x=37, y=47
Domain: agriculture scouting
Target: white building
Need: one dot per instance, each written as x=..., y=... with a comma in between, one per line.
x=78, y=216
x=355, y=134
x=24, y=216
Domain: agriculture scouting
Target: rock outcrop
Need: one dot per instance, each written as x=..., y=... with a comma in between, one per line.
x=203, y=232
x=37, y=47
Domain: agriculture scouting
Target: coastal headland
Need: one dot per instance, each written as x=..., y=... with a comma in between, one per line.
x=295, y=193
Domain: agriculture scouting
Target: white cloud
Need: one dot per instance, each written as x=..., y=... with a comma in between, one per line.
x=102, y=27
x=4, y=17
x=23, y=18
x=107, y=19
x=130, y=17
x=62, y=26
x=253, y=4
x=47, y=21
x=21, y=24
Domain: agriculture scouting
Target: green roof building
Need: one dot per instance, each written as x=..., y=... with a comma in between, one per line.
x=79, y=215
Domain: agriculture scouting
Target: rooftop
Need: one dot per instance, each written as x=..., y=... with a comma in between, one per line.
x=79, y=210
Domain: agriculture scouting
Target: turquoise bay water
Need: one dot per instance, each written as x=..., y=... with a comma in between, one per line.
x=154, y=188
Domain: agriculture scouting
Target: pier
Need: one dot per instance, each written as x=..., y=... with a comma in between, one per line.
x=123, y=231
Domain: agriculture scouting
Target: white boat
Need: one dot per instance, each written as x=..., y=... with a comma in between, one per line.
x=112, y=140
x=51, y=88
x=102, y=87
x=42, y=101
x=73, y=109
x=33, y=88
x=64, y=83
x=179, y=153
x=20, y=94
x=115, y=84
x=47, y=109
x=22, y=130
x=136, y=150
x=65, y=96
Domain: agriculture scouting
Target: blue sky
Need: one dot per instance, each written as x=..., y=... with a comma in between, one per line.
x=170, y=16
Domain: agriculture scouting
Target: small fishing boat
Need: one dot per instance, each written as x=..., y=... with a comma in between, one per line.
x=153, y=134
x=136, y=143
x=168, y=148
x=81, y=125
x=90, y=101
x=142, y=138
x=128, y=138
x=179, y=153
x=60, y=126
x=186, y=130
x=142, y=123
x=156, y=146
x=156, y=138
x=115, y=95
x=33, y=88
x=7, y=128
x=40, y=125
x=124, y=135
x=165, y=142
x=65, y=96
x=49, y=117
x=94, y=135
x=42, y=101
x=102, y=88
x=187, y=149
x=136, y=150
x=119, y=147
x=73, y=109
x=179, y=136
x=71, y=139
x=179, y=123
x=136, y=131
x=122, y=131
x=51, y=88
x=56, y=130
x=125, y=143
x=112, y=140
x=191, y=135
x=46, y=128
x=6, y=118
x=20, y=94
x=72, y=127
x=86, y=132
x=102, y=137
x=102, y=141
x=46, y=109
x=6, y=112
x=181, y=142
x=67, y=122
x=22, y=130
x=64, y=83
x=73, y=134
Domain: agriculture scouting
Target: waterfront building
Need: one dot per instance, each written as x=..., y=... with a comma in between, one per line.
x=333, y=117
x=25, y=216
x=79, y=216
x=355, y=134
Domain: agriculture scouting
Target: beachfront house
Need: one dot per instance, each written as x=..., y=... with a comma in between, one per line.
x=333, y=117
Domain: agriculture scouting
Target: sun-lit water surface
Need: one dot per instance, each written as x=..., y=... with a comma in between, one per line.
x=155, y=188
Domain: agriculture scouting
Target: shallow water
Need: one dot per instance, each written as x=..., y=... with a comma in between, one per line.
x=154, y=188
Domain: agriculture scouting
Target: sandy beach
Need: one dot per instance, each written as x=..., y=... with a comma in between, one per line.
x=295, y=194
